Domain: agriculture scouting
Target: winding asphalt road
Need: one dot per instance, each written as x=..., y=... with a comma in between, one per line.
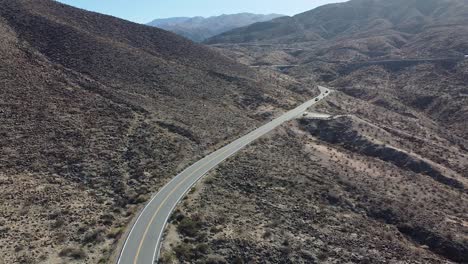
x=143, y=242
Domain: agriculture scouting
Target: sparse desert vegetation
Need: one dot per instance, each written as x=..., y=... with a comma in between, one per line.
x=98, y=113
x=299, y=197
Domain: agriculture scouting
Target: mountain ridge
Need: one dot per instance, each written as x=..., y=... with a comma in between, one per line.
x=96, y=114
x=354, y=19
x=200, y=28
x=369, y=183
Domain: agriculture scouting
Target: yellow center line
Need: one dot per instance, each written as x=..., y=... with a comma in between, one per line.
x=164, y=201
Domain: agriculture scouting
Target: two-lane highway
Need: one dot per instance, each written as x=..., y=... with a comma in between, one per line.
x=143, y=242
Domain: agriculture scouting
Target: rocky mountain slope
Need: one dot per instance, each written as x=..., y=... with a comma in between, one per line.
x=382, y=181
x=96, y=113
x=414, y=27
x=199, y=28
x=368, y=186
x=418, y=59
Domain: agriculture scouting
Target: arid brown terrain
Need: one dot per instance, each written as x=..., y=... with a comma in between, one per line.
x=365, y=187
x=382, y=181
x=97, y=113
x=365, y=29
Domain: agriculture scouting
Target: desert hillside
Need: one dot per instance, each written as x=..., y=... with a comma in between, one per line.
x=381, y=180
x=423, y=68
x=386, y=28
x=367, y=185
x=97, y=113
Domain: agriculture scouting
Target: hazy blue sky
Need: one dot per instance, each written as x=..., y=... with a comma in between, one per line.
x=143, y=11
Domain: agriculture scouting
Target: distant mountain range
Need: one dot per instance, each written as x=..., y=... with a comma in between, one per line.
x=401, y=65
x=98, y=113
x=85, y=95
x=200, y=28
x=416, y=26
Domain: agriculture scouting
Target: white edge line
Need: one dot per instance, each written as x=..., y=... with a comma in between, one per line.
x=144, y=209
x=154, y=197
x=133, y=227
x=157, y=250
x=174, y=179
x=158, y=245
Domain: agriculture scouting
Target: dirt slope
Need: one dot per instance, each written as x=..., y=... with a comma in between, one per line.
x=96, y=113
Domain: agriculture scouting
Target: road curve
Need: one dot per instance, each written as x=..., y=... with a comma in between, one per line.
x=143, y=242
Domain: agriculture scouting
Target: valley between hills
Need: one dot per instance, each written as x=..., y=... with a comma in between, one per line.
x=98, y=114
